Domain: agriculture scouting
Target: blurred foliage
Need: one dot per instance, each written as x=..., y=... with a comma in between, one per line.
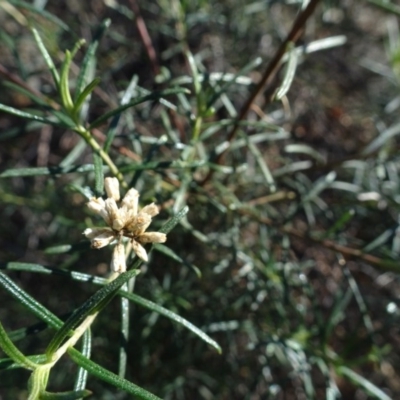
x=289, y=254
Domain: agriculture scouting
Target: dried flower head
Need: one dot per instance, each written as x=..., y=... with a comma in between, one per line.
x=124, y=221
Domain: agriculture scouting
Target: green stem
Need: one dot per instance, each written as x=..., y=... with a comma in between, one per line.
x=86, y=135
x=197, y=128
x=38, y=381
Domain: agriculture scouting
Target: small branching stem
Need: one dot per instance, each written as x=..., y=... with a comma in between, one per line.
x=86, y=135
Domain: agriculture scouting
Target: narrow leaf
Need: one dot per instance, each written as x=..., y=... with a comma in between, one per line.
x=383, y=139
x=362, y=382
x=341, y=222
x=172, y=316
x=169, y=225
x=25, y=299
x=98, y=174
x=153, y=96
x=64, y=82
x=170, y=253
x=124, y=333
x=47, y=58
x=57, y=170
x=94, y=304
x=11, y=350
x=132, y=297
x=305, y=149
x=81, y=360
x=126, y=98
x=387, y=5
x=195, y=73
x=63, y=248
x=230, y=79
x=178, y=164
x=22, y=333
x=9, y=364
x=263, y=166
x=89, y=60
x=31, y=117
x=74, y=154
x=36, y=268
x=72, y=395
x=85, y=93
x=289, y=73
x=81, y=379
x=107, y=376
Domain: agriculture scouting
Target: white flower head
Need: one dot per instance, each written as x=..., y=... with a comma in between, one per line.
x=124, y=221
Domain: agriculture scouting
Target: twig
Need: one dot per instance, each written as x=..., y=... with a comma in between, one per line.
x=347, y=252
x=273, y=67
x=144, y=35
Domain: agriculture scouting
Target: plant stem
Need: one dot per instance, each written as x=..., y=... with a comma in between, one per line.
x=86, y=135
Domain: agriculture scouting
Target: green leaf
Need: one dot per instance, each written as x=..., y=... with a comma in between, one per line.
x=169, y=225
x=383, y=139
x=11, y=350
x=153, y=96
x=74, y=154
x=170, y=253
x=362, y=382
x=9, y=364
x=94, y=304
x=64, y=82
x=387, y=5
x=172, y=316
x=64, y=118
x=71, y=395
x=289, y=73
x=31, y=117
x=47, y=58
x=379, y=241
x=62, y=248
x=81, y=378
x=69, y=169
x=132, y=297
x=89, y=60
x=341, y=222
x=126, y=98
x=19, y=172
x=263, y=166
x=195, y=73
x=81, y=360
x=85, y=93
x=305, y=149
x=124, y=332
x=337, y=313
x=231, y=79
x=36, y=268
x=25, y=299
x=22, y=333
x=178, y=164
x=98, y=174
x=107, y=376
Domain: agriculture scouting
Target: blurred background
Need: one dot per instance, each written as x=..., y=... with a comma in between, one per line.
x=295, y=234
